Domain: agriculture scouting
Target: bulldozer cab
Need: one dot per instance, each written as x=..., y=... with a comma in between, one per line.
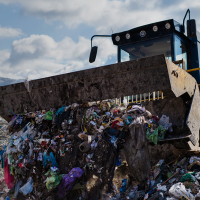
x=151, y=40
x=154, y=39
x=178, y=43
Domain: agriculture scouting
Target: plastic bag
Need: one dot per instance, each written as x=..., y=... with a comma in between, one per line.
x=28, y=84
x=28, y=187
x=53, y=181
x=178, y=190
x=50, y=158
x=10, y=149
x=68, y=181
x=161, y=187
x=9, y=179
x=49, y=115
x=123, y=188
x=188, y=177
x=17, y=141
x=164, y=121
x=154, y=137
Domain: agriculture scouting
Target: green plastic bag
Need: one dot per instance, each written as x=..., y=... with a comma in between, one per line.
x=49, y=115
x=154, y=136
x=52, y=181
x=188, y=177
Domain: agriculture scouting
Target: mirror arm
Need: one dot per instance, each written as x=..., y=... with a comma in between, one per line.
x=188, y=11
x=99, y=36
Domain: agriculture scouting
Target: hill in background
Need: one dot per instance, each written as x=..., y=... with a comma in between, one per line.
x=8, y=81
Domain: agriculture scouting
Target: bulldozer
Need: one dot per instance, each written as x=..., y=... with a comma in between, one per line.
x=160, y=58
x=140, y=51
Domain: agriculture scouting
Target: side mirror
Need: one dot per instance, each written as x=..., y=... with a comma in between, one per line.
x=93, y=54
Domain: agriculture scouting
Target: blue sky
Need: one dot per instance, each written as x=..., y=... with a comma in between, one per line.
x=42, y=38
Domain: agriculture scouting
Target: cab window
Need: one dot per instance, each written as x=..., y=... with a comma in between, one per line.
x=147, y=49
x=180, y=51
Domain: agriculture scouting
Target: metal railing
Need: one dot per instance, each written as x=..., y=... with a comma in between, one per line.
x=139, y=98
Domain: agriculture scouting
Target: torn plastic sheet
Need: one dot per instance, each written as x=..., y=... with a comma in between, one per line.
x=28, y=84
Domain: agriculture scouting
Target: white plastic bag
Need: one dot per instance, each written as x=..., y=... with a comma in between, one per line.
x=178, y=190
x=17, y=141
x=161, y=187
x=28, y=84
x=10, y=149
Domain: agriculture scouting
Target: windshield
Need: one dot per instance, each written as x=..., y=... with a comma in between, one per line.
x=146, y=49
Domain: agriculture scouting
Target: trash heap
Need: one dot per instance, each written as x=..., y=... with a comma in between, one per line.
x=53, y=154
x=178, y=179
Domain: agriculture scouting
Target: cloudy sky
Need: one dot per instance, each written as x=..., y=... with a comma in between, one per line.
x=41, y=38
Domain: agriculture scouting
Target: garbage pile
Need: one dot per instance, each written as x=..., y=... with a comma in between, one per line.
x=55, y=153
x=178, y=179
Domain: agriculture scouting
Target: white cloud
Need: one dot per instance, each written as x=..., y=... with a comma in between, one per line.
x=40, y=56
x=7, y=32
x=102, y=15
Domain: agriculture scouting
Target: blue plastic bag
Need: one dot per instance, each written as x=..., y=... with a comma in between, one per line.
x=50, y=158
x=119, y=162
x=28, y=187
x=123, y=188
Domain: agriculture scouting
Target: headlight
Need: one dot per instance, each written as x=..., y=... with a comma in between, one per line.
x=117, y=38
x=142, y=33
x=155, y=28
x=128, y=36
x=167, y=26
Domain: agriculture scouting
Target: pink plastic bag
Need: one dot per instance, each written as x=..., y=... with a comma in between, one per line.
x=9, y=179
